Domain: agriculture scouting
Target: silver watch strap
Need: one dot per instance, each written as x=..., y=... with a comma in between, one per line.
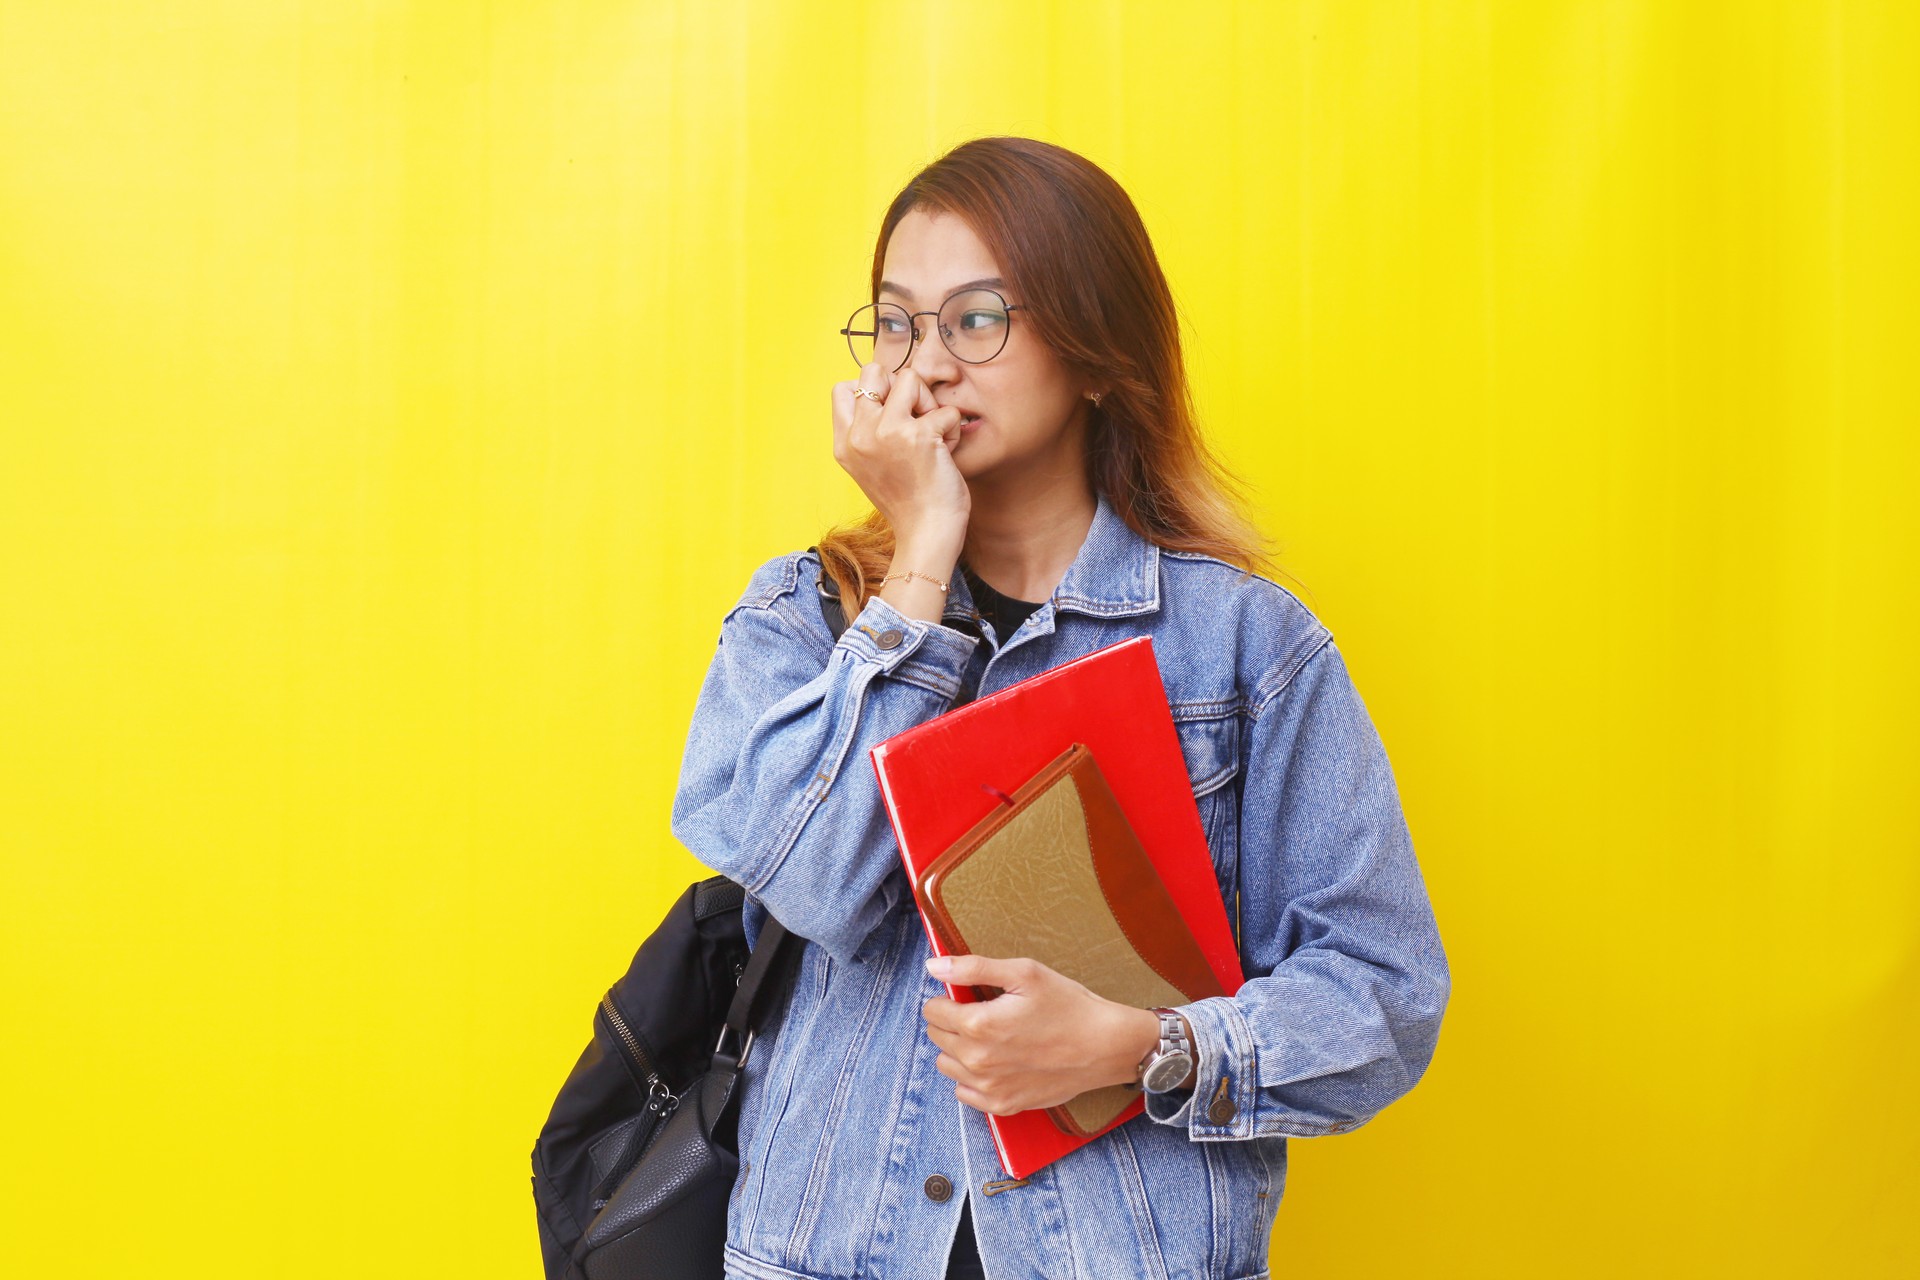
x=1173, y=1032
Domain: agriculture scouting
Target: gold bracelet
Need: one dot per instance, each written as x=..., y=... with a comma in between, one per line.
x=910, y=575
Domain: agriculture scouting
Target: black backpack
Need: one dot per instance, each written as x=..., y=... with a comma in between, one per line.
x=660, y=1042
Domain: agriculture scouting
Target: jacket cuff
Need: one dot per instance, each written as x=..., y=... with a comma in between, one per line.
x=1221, y=1106
x=908, y=649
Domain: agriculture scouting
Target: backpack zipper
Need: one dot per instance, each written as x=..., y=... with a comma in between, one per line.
x=660, y=1098
x=632, y=1042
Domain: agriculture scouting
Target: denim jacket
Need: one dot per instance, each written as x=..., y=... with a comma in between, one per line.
x=855, y=1153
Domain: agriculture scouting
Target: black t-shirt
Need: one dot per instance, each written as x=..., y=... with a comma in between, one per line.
x=1004, y=612
x=964, y=1262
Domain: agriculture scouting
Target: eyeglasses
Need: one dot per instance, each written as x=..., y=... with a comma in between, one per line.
x=973, y=323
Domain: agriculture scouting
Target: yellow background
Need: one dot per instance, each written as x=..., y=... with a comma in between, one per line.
x=394, y=397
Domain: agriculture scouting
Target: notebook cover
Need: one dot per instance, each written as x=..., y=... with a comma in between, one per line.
x=1056, y=874
x=934, y=779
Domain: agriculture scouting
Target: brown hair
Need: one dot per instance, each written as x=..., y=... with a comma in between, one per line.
x=1068, y=238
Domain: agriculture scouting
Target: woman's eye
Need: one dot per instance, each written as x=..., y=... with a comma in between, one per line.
x=975, y=321
x=892, y=326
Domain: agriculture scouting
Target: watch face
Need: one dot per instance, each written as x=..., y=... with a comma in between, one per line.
x=1167, y=1071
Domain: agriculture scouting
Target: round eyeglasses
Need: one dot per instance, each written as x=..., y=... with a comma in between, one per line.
x=973, y=323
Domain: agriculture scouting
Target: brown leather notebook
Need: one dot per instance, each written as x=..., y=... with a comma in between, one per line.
x=1056, y=874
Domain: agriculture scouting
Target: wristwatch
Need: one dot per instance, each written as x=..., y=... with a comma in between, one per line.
x=1166, y=1065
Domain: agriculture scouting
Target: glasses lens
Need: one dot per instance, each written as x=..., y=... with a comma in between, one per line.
x=975, y=325
x=880, y=331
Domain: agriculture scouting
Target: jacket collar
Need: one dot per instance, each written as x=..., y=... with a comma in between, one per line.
x=1116, y=573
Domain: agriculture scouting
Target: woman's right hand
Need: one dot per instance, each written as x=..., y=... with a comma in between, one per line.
x=899, y=453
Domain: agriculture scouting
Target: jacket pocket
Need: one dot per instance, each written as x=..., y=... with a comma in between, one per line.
x=1210, y=746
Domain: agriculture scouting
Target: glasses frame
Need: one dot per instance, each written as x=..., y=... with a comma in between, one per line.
x=850, y=333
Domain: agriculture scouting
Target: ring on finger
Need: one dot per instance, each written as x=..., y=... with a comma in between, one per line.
x=862, y=391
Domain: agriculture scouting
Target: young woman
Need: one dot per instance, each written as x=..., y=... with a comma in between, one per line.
x=1021, y=424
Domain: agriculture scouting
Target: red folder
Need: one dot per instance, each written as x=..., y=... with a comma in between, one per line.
x=940, y=777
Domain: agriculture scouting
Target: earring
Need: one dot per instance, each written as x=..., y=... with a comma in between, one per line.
x=1095, y=397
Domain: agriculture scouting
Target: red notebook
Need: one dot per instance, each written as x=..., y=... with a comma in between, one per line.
x=935, y=780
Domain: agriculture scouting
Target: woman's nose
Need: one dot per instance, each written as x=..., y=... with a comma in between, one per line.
x=930, y=358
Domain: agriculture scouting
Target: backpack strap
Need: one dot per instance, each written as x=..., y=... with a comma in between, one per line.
x=829, y=592
x=768, y=968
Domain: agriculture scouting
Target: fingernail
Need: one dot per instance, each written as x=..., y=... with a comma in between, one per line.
x=939, y=966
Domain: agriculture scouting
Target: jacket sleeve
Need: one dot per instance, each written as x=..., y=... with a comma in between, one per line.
x=1346, y=976
x=776, y=790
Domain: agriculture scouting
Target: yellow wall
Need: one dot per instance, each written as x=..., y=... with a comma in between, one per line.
x=394, y=396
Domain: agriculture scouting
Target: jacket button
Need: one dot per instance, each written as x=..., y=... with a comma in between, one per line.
x=889, y=639
x=939, y=1190
x=1222, y=1111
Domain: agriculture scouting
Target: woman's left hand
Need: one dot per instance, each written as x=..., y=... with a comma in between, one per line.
x=1044, y=1040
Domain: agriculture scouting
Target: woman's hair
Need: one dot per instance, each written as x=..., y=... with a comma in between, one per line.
x=1072, y=246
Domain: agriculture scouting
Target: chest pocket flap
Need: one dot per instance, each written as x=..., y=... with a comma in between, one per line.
x=1211, y=748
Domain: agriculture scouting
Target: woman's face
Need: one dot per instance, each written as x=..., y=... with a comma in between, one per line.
x=1028, y=407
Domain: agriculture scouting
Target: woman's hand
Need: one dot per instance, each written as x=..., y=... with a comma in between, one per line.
x=1044, y=1040
x=899, y=453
